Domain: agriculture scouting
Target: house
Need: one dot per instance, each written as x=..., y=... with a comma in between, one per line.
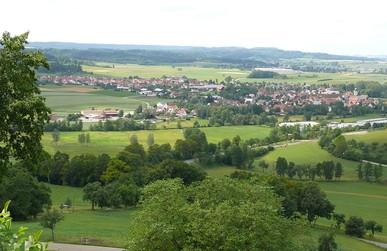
x=181, y=113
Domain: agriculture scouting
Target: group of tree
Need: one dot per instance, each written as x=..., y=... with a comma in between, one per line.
x=64, y=126
x=369, y=172
x=355, y=226
x=326, y=169
x=214, y=214
x=335, y=143
x=122, y=124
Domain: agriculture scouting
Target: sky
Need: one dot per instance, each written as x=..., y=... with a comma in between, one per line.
x=343, y=27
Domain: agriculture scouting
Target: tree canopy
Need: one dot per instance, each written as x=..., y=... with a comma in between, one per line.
x=214, y=214
x=23, y=111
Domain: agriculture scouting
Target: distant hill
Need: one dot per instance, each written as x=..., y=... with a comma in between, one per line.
x=159, y=54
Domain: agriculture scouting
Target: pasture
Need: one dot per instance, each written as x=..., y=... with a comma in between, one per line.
x=379, y=136
x=114, y=142
x=308, y=153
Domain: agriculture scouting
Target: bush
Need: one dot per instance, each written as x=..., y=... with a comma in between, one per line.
x=355, y=227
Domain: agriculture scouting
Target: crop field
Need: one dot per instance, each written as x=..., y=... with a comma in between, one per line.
x=73, y=99
x=308, y=153
x=114, y=142
x=379, y=136
x=201, y=73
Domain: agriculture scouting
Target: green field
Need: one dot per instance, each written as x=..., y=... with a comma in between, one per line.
x=73, y=99
x=114, y=142
x=197, y=72
x=201, y=73
x=308, y=153
x=379, y=136
x=357, y=118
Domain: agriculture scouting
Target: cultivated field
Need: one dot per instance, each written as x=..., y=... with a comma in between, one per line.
x=65, y=100
x=201, y=73
x=197, y=72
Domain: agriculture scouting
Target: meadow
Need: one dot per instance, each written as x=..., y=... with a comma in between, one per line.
x=74, y=99
x=379, y=136
x=308, y=153
x=196, y=72
x=204, y=73
x=114, y=142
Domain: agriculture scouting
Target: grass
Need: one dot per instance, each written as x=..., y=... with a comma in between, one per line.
x=379, y=136
x=114, y=142
x=73, y=99
x=197, y=72
x=308, y=153
x=357, y=118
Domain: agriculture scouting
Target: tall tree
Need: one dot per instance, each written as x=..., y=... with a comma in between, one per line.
x=55, y=136
x=23, y=111
x=281, y=166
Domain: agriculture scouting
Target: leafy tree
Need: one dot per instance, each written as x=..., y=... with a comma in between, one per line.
x=338, y=170
x=281, y=166
x=50, y=218
x=133, y=139
x=360, y=171
x=368, y=171
x=90, y=192
x=339, y=219
x=355, y=227
x=291, y=170
x=378, y=172
x=373, y=227
x=81, y=138
x=23, y=110
x=314, y=203
x=214, y=214
x=262, y=164
x=28, y=196
x=326, y=242
x=340, y=144
x=150, y=139
x=115, y=169
x=55, y=136
x=87, y=138
x=15, y=241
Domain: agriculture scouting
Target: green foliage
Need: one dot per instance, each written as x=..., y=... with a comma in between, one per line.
x=50, y=218
x=91, y=193
x=23, y=111
x=28, y=196
x=263, y=74
x=281, y=166
x=215, y=214
x=355, y=227
x=339, y=219
x=326, y=242
x=55, y=136
x=373, y=227
x=15, y=241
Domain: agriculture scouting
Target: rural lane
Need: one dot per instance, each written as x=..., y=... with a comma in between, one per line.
x=73, y=247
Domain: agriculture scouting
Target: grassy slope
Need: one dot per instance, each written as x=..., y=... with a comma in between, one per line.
x=379, y=136
x=308, y=153
x=114, y=142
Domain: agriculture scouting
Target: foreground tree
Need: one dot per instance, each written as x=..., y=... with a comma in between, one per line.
x=50, y=218
x=215, y=214
x=10, y=240
x=28, y=196
x=23, y=111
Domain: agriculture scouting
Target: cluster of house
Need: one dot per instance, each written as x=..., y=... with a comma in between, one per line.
x=164, y=87
x=284, y=100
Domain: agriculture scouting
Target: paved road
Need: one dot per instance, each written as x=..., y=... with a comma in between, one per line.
x=379, y=244
x=71, y=247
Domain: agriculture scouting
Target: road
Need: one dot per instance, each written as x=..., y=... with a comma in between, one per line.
x=73, y=247
x=379, y=244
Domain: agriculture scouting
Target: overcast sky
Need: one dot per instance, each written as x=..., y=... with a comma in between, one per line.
x=333, y=26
